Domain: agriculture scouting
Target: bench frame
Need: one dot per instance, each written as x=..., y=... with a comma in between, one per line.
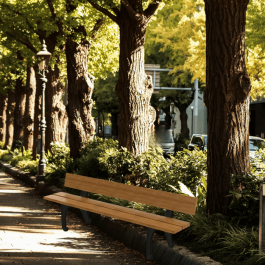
x=150, y=231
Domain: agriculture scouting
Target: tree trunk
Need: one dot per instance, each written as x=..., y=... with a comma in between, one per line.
x=10, y=119
x=134, y=88
x=3, y=106
x=55, y=111
x=80, y=89
x=19, y=112
x=29, y=109
x=184, y=122
x=227, y=99
x=182, y=107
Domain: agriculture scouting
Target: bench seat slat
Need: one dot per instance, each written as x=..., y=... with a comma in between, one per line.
x=164, y=219
x=118, y=212
x=157, y=198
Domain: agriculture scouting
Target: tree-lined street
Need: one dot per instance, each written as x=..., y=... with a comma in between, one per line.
x=96, y=76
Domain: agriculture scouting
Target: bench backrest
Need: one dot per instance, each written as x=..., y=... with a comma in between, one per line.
x=157, y=198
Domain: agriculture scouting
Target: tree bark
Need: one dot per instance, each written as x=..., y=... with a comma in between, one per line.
x=80, y=89
x=3, y=107
x=227, y=99
x=10, y=119
x=55, y=111
x=134, y=88
x=30, y=107
x=184, y=122
x=19, y=112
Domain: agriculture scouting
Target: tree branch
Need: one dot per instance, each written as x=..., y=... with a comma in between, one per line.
x=26, y=42
x=97, y=27
x=151, y=9
x=68, y=4
x=54, y=16
x=133, y=15
x=104, y=11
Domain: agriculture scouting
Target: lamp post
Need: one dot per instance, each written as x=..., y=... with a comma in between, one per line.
x=191, y=120
x=45, y=57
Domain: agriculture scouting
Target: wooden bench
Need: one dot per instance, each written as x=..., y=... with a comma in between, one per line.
x=169, y=201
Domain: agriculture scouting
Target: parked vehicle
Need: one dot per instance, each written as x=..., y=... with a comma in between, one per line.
x=198, y=140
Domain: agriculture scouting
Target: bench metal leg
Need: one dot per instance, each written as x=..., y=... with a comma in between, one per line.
x=86, y=216
x=150, y=233
x=64, y=209
x=169, y=236
x=169, y=239
x=85, y=213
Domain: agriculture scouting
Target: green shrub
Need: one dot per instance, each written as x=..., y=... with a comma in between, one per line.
x=181, y=142
x=59, y=163
x=190, y=166
x=244, y=207
x=30, y=166
x=6, y=156
x=20, y=156
x=216, y=236
x=3, y=152
x=88, y=164
x=240, y=243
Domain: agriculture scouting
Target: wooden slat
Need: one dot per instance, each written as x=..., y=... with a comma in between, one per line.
x=106, y=209
x=168, y=220
x=157, y=198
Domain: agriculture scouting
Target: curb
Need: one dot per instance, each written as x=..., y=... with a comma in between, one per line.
x=130, y=237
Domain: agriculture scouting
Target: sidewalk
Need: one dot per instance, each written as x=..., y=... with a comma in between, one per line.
x=31, y=233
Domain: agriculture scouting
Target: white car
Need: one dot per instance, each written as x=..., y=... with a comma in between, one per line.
x=200, y=141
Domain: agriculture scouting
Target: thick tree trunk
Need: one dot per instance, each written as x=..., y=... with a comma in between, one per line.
x=184, y=122
x=19, y=112
x=10, y=119
x=227, y=99
x=80, y=89
x=55, y=111
x=134, y=88
x=29, y=109
x=3, y=106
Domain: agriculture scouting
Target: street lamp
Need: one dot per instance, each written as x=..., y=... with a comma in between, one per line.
x=191, y=120
x=45, y=57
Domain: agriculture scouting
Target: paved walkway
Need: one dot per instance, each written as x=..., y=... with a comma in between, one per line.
x=31, y=233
